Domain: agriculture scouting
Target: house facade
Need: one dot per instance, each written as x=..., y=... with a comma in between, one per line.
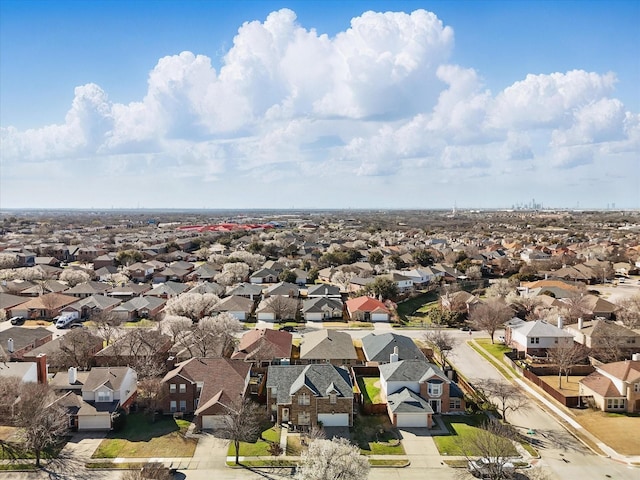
x=537, y=337
x=614, y=387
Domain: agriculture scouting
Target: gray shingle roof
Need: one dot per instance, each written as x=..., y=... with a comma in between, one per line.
x=378, y=348
x=327, y=344
x=406, y=401
x=320, y=379
x=411, y=371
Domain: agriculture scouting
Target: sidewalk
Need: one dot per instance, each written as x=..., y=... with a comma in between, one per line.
x=568, y=422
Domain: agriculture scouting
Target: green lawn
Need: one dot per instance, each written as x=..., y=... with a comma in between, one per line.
x=497, y=350
x=141, y=438
x=366, y=434
x=414, y=307
x=260, y=447
x=370, y=388
x=462, y=428
x=494, y=353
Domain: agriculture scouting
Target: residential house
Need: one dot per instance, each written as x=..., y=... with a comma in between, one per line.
x=128, y=291
x=322, y=308
x=167, y=290
x=46, y=306
x=86, y=289
x=328, y=346
x=26, y=372
x=263, y=275
x=415, y=389
x=17, y=341
x=263, y=347
x=459, y=301
x=9, y=301
x=283, y=288
x=132, y=348
x=206, y=388
x=102, y=391
x=247, y=290
x=139, y=307
x=107, y=260
x=302, y=276
x=307, y=395
x=378, y=348
x=323, y=290
x=403, y=282
x=140, y=272
x=606, y=334
x=423, y=275
x=88, y=254
x=240, y=307
x=367, y=309
x=277, y=307
x=359, y=283
x=535, y=338
x=93, y=305
x=614, y=387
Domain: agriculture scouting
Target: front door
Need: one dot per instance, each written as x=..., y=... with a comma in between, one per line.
x=435, y=405
x=285, y=414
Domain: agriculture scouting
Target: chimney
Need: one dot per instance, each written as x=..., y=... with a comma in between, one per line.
x=73, y=375
x=635, y=357
x=560, y=322
x=10, y=347
x=580, y=323
x=41, y=366
x=394, y=356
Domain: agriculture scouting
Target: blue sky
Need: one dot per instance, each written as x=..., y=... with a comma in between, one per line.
x=316, y=104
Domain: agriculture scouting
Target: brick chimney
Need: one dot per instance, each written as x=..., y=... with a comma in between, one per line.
x=42, y=368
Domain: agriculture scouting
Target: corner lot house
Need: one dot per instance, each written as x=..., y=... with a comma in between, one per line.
x=206, y=388
x=415, y=390
x=614, y=387
x=305, y=395
x=380, y=348
x=368, y=309
x=537, y=337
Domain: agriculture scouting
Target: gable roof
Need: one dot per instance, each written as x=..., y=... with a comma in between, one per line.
x=600, y=384
x=23, y=336
x=111, y=377
x=366, y=304
x=406, y=401
x=418, y=370
x=540, y=328
x=320, y=304
x=323, y=290
x=378, y=348
x=325, y=344
x=319, y=378
x=627, y=370
x=274, y=343
x=235, y=303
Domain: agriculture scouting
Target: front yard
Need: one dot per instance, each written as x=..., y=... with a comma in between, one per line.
x=375, y=435
x=141, y=438
x=619, y=431
x=12, y=448
x=259, y=448
x=462, y=428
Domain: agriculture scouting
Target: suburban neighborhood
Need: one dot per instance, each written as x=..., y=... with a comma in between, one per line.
x=489, y=344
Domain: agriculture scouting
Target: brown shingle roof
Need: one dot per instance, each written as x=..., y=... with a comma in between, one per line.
x=627, y=370
x=601, y=385
x=276, y=342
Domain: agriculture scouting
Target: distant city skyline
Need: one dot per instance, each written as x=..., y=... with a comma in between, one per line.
x=319, y=105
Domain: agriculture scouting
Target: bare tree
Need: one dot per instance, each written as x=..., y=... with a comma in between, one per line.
x=284, y=308
x=574, y=307
x=442, y=342
x=193, y=305
x=628, y=312
x=335, y=459
x=503, y=396
x=232, y=273
x=253, y=260
x=149, y=471
x=493, y=443
x=342, y=278
x=609, y=348
x=490, y=316
x=242, y=422
x=151, y=393
x=525, y=307
x=77, y=349
x=107, y=326
x=41, y=421
x=500, y=289
x=565, y=357
x=211, y=337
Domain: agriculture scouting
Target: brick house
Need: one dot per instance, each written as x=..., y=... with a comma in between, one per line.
x=206, y=388
x=305, y=396
x=415, y=390
x=614, y=387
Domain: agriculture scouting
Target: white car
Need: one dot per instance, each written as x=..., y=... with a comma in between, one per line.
x=492, y=468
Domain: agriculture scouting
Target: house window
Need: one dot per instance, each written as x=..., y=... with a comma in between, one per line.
x=535, y=340
x=434, y=389
x=183, y=405
x=304, y=399
x=173, y=406
x=172, y=388
x=333, y=398
x=104, y=397
x=454, y=403
x=615, y=403
x=183, y=388
x=304, y=418
x=636, y=387
x=274, y=407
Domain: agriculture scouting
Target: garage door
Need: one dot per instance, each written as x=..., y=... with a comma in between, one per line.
x=213, y=422
x=334, y=419
x=94, y=422
x=407, y=420
x=379, y=317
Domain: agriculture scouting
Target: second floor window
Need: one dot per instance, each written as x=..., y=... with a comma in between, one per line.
x=304, y=399
x=333, y=398
x=535, y=340
x=172, y=388
x=183, y=388
x=434, y=389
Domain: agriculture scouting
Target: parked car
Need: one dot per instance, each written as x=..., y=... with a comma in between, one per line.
x=17, y=320
x=288, y=328
x=493, y=467
x=76, y=325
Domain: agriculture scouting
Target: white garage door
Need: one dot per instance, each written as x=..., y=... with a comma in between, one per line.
x=408, y=420
x=94, y=422
x=213, y=422
x=334, y=419
x=379, y=317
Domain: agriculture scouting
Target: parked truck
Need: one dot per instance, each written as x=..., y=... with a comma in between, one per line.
x=66, y=319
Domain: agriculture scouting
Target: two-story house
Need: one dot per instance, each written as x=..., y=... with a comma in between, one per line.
x=206, y=388
x=328, y=346
x=535, y=338
x=263, y=347
x=416, y=389
x=614, y=387
x=306, y=396
x=378, y=348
